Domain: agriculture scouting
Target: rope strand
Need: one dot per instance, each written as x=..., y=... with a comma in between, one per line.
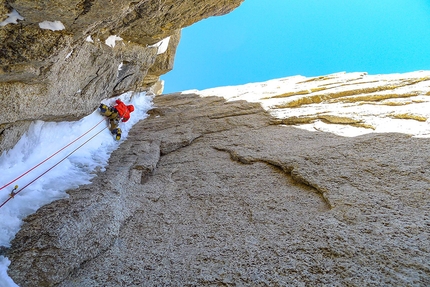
x=51, y=156
x=15, y=193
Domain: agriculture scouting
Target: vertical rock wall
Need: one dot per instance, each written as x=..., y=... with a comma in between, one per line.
x=212, y=193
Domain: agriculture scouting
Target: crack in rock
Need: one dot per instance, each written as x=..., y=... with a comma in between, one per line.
x=287, y=170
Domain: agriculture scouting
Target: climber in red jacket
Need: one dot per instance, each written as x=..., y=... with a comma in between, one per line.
x=115, y=114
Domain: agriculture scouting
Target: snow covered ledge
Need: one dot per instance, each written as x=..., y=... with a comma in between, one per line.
x=51, y=25
x=13, y=18
x=346, y=104
x=161, y=45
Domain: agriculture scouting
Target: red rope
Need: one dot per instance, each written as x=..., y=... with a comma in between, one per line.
x=15, y=193
x=50, y=156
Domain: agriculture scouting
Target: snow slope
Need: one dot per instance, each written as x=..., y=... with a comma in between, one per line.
x=346, y=104
x=42, y=140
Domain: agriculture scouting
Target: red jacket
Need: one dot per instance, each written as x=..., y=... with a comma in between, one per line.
x=124, y=110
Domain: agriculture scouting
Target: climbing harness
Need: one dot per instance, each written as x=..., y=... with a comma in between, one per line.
x=15, y=191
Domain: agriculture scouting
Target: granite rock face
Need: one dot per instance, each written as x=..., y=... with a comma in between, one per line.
x=347, y=104
x=50, y=74
x=206, y=192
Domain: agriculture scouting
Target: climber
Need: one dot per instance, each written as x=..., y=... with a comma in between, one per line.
x=120, y=112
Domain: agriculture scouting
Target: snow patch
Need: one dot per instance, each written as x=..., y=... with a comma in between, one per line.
x=162, y=45
x=5, y=280
x=110, y=41
x=68, y=55
x=53, y=26
x=12, y=19
x=89, y=39
x=119, y=69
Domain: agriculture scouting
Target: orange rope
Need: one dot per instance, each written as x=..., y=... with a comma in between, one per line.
x=12, y=194
x=50, y=156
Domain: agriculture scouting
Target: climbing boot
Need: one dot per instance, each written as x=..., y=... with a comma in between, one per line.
x=103, y=108
x=117, y=133
x=108, y=112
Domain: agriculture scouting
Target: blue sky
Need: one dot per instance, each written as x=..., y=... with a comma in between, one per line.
x=263, y=40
